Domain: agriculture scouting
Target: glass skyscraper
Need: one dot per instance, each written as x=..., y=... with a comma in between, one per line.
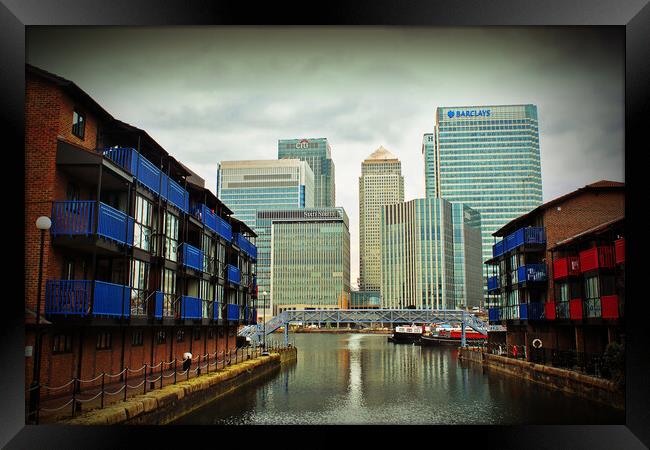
x=381, y=183
x=417, y=261
x=310, y=261
x=468, y=264
x=488, y=158
x=247, y=186
x=318, y=153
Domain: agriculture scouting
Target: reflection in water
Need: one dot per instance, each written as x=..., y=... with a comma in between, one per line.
x=357, y=379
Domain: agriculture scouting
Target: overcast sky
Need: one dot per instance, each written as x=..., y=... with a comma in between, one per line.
x=208, y=94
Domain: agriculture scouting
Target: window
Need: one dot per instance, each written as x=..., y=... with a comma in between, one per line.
x=161, y=337
x=78, y=124
x=180, y=336
x=140, y=285
x=62, y=343
x=197, y=334
x=143, y=223
x=137, y=338
x=169, y=290
x=171, y=236
x=68, y=269
x=104, y=340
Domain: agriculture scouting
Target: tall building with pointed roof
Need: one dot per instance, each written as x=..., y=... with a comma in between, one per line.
x=381, y=183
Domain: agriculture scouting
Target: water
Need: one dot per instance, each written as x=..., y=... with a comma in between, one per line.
x=363, y=379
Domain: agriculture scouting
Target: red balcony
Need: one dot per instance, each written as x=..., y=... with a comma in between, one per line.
x=549, y=310
x=619, y=249
x=565, y=267
x=609, y=306
x=596, y=258
x=575, y=309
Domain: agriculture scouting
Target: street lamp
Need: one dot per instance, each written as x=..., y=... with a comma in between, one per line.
x=264, y=294
x=43, y=223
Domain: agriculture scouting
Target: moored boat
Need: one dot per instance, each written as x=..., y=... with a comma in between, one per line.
x=451, y=336
x=407, y=334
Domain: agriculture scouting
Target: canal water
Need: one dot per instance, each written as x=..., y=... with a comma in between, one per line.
x=363, y=379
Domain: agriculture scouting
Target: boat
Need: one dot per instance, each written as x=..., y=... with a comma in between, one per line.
x=451, y=336
x=407, y=334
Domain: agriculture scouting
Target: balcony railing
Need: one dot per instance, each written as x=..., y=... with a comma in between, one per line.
x=596, y=258
x=549, y=310
x=72, y=218
x=562, y=310
x=536, y=311
x=566, y=267
x=531, y=273
x=150, y=176
x=575, y=309
x=610, y=306
x=529, y=236
x=233, y=274
x=591, y=308
x=85, y=297
x=493, y=283
x=494, y=314
x=232, y=311
x=245, y=245
x=205, y=215
x=164, y=305
x=191, y=307
x=224, y=229
x=191, y=256
x=523, y=311
x=510, y=312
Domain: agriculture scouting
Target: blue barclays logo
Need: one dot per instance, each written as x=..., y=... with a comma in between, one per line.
x=470, y=113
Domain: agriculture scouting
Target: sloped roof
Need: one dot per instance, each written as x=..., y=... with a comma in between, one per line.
x=593, y=230
x=381, y=154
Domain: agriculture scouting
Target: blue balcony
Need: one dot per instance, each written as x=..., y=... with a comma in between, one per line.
x=536, y=311
x=207, y=217
x=531, y=273
x=245, y=245
x=232, y=312
x=191, y=307
x=87, y=298
x=523, y=311
x=224, y=229
x=494, y=314
x=233, y=274
x=493, y=284
x=528, y=236
x=76, y=218
x=191, y=256
x=164, y=305
x=147, y=174
x=217, y=310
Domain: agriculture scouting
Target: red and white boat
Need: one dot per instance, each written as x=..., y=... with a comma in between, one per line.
x=452, y=336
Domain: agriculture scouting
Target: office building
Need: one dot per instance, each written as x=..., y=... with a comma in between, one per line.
x=417, y=261
x=468, y=267
x=381, y=183
x=318, y=154
x=248, y=186
x=488, y=158
x=310, y=262
x=365, y=300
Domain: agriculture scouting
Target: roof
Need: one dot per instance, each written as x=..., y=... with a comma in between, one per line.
x=605, y=226
x=381, y=154
x=598, y=185
x=242, y=225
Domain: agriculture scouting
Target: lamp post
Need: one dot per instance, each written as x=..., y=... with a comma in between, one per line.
x=43, y=223
x=264, y=294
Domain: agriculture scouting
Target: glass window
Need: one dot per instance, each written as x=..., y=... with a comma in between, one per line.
x=143, y=223
x=137, y=338
x=140, y=287
x=104, y=340
x=161, y=337
x=78, y=124
x=171, y=236
x=62, y=343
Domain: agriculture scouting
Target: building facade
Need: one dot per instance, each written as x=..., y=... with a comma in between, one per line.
x=365, y=300
x=468, y=267
x=318, y=153
x=248, y=186
x=381, y=183
x=558, y=276
x=310, y=262
x=417, y=262
x=488, y=158
x=139, y=264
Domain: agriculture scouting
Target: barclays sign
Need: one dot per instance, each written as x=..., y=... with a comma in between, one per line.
x=469, y=113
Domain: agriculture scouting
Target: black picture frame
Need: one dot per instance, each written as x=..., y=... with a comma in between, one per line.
x=633, y=15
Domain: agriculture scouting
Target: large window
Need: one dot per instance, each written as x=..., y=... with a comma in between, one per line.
x=143, y=223
x=140, y=287
x=62, y=343
x=171, y=236
x=78, y=124
x=206, y=293
x=208, y=248
x=592, y=297
x=104, y=340
x=169, y=292
x=221, y=258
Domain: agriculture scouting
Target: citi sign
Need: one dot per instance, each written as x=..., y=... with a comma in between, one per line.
x=303, y=144
x=469, y=113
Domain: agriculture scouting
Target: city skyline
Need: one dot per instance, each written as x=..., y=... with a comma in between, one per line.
x=200, y=94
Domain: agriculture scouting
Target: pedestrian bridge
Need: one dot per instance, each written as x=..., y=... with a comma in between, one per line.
x=359, y=316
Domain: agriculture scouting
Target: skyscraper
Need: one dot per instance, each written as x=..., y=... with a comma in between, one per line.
x=310, y=264
x=468, y=264
x=381, y=183
x=417, y=261
x=318, y=153
x=488, y=158
x=246, y=186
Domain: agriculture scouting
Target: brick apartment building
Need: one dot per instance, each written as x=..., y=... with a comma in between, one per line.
x=557, y=276
x=141, y=262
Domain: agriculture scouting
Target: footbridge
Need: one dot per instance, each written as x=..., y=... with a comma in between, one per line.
x=359, y=316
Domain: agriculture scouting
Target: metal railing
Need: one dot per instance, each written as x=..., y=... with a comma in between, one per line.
x=73, y=297
x=107, y=388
